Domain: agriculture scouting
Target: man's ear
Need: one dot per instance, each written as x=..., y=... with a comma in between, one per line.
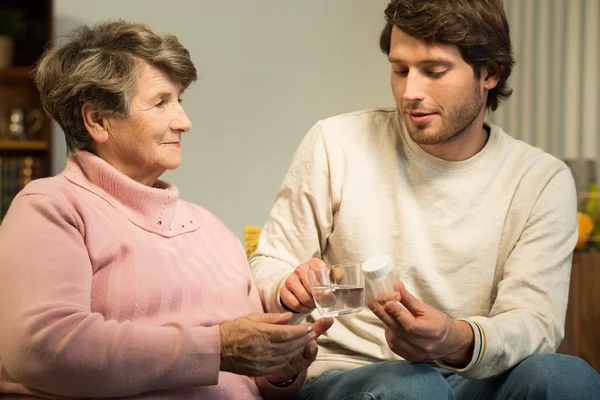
x=491, y=76
x=95, y=122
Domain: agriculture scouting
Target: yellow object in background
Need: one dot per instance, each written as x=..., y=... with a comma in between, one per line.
x=251, y=234
x=585, y=225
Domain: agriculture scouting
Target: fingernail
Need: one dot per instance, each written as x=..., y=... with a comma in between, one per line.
x=310, y=329
x=286, y=314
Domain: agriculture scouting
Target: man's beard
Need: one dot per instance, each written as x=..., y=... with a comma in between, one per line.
x=457, y=122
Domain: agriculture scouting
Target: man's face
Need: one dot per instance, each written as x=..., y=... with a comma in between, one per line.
x=435, y=90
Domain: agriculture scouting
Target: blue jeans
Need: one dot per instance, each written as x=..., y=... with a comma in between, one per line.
x=549, y=376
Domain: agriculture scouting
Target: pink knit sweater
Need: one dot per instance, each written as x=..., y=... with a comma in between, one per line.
x=109, y=288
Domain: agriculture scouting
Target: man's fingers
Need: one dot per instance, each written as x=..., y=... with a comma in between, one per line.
x=294, y=285
x=316, y=263
x=401, y=315
x=303, y=272
x=385, y=317
x=404, y=348
x=291, y=301
x=412, y=304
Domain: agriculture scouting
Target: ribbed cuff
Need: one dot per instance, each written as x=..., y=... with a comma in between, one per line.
x=479, y=348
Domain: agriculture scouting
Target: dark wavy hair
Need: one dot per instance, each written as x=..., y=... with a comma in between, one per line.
x=478, y=28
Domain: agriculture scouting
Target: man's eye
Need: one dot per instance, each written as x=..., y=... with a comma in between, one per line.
x=401, y=72
x=436, y=74
x=161, y=103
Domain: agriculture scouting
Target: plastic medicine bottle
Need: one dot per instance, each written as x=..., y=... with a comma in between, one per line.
x=379, y=276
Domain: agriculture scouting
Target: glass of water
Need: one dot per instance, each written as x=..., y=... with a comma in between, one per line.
x=338, y=289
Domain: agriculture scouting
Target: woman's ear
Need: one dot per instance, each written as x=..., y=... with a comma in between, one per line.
x=95, y=122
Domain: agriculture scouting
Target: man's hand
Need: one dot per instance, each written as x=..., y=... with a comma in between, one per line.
x=303, y=360
x=259, y=344
x=420, y=333
x=295, y=292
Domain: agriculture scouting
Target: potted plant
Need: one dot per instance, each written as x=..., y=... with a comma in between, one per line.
x=12, y=25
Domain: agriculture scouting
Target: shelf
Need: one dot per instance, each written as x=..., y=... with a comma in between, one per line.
x=16, y=73
x=24, y=145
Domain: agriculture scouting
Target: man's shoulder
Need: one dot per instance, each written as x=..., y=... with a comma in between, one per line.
x=530, y=158
x=371, y=115
x=362, y=123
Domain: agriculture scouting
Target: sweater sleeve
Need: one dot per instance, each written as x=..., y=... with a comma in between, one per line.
x=267, y=390
x=528, y=314
x=50, y=340
x=299, y=223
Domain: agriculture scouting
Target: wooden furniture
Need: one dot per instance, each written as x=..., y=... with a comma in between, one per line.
x=582, y=330
x=24, y=157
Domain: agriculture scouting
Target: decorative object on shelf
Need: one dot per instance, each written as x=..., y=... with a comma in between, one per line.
x=23, y=124
x=12, y=25
x=588, y=213
x=588, y=219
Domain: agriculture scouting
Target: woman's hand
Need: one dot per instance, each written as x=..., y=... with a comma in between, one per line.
x=260, y=344
x=303, y=360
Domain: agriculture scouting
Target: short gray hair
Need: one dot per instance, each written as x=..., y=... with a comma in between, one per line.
x=101, y=65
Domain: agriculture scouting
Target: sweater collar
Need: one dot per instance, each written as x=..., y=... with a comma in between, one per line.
x=152, y=208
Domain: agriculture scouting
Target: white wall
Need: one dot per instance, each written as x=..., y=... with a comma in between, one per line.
x=269, y=69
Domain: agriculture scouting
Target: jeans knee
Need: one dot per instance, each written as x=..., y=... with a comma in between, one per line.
x=410, y=381
x=556, y=373
x=379, y=381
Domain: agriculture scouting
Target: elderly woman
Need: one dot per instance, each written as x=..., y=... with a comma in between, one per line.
x=110, y=285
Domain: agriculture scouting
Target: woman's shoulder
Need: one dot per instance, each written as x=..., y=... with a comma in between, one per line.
x=52, y=198
x=57, y=187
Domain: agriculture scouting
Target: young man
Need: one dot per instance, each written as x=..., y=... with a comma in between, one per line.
x=481, y=226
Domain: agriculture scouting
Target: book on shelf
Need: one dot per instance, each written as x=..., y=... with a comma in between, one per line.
x=15, y=173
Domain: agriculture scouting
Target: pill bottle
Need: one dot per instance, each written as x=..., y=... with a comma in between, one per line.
x=379, y=277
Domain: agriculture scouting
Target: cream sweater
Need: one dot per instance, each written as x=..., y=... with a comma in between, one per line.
x=488, y=239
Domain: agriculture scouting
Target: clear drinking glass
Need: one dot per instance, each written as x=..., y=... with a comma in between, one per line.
x=338, y=289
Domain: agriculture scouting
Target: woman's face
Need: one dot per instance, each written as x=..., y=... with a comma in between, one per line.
x=148, y=142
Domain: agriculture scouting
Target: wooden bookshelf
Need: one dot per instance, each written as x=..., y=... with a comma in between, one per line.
x=28, y=156
x=25, y=145
x=16, y=74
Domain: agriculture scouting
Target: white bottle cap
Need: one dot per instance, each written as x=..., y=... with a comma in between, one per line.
x=377, y=266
